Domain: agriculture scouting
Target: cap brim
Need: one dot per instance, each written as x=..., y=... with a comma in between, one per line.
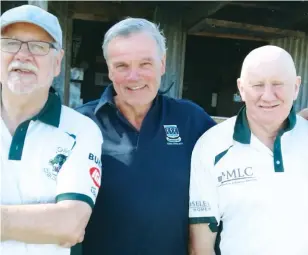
x=3, y=25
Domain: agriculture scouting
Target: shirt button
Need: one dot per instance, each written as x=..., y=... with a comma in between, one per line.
x=17, y=147
x=22, y=129
x=278, y=162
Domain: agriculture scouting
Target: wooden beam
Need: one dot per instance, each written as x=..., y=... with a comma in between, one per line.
x=199, y=11
x=215, y=23
x=258, y=5
x=230, y=36
x=292, y=12
x=91, y=17
x=103, y=10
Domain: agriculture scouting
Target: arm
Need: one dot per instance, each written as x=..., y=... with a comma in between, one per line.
x=304, y=113
x=63, y=222
x=59, y=223
x=204, y=214
x=202, y=240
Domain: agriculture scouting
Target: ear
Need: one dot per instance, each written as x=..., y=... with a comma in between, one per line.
x=240, y=88
x=297, y=86
x=59, y=56
x=163, y=65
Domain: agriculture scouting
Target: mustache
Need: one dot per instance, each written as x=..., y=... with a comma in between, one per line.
x=22, y=66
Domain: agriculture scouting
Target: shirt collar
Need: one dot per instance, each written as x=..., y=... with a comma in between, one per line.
x=51, y=112
x=242, y=131
x=106, y=98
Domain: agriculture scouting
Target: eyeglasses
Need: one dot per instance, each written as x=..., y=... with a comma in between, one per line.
x=35, y=47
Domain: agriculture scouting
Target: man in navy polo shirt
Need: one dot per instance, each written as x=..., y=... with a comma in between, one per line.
x=148, y=139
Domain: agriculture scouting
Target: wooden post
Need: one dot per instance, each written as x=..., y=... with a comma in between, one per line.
x=62, y=82
x=171, y=24
x=40, y=3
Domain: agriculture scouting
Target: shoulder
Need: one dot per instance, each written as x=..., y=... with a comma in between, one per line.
x=183, y=104
x=76, y=122
x=192, y=117
x=301, y=125
x=187, y=108
x=88, y=109
x=218, y=138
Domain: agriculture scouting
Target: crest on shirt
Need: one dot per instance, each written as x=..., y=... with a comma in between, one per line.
x=172, y=135
x=55, y=163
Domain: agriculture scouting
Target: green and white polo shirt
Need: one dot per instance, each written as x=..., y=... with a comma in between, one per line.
x=259, y=196
x=54, y=156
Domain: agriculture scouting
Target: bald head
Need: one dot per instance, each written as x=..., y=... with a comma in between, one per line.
x=269, y=59
x=268, y=85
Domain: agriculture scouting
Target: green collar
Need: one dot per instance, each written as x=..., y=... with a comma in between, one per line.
x=51, y=112
x=242, y=131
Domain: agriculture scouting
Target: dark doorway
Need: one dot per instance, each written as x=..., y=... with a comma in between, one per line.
x=212, y=66
x=87, y=55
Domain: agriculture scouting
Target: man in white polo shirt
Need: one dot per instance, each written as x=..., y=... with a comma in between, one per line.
x=50, y=154
x=249, y=174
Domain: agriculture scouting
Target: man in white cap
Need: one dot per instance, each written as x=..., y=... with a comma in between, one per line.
x=50, y=172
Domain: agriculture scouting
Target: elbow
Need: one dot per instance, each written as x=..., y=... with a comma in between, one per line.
x=72, y=228
x=71, y=235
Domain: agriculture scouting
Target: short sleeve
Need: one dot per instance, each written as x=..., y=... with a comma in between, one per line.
x=203, y=197
x=80, y=175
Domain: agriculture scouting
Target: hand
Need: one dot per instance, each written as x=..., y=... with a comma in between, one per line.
x=304, y=113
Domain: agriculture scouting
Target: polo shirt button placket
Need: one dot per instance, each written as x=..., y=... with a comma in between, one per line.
x=137, y=140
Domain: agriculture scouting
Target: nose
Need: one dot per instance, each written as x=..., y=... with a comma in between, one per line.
x=269, y=93
x=23, y=54
x=133, y=75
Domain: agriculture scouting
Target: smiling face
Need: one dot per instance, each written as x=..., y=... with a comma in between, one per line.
x=22, y=72
x=135, y=68
x=268, y=85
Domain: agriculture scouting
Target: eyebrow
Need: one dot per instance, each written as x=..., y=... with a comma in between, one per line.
x=256, y=82
x=148, y=59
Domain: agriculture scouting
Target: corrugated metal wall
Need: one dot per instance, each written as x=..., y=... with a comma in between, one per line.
x=298, y=48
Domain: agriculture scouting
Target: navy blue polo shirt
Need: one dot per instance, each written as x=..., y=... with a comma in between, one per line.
x=142, y=206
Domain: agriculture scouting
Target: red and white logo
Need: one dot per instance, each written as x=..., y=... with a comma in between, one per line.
x=96, y=176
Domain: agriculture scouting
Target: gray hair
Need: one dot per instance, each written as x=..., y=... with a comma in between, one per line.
x=130, y=26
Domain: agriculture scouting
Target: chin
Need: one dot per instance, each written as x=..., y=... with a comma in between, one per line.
x=272, y=119
x=139, y=102
x=21, y=90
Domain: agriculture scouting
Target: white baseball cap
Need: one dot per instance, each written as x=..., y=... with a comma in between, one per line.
x=34, y=15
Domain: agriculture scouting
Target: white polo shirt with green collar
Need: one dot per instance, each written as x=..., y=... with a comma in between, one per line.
x=54, y=156
x=258, y=197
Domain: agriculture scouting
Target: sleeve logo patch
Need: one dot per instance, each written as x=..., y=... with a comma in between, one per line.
x=96, y=176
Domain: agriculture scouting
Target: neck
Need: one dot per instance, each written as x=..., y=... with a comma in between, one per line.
x=15, y=109
x=266, y=133
x=134, y=114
